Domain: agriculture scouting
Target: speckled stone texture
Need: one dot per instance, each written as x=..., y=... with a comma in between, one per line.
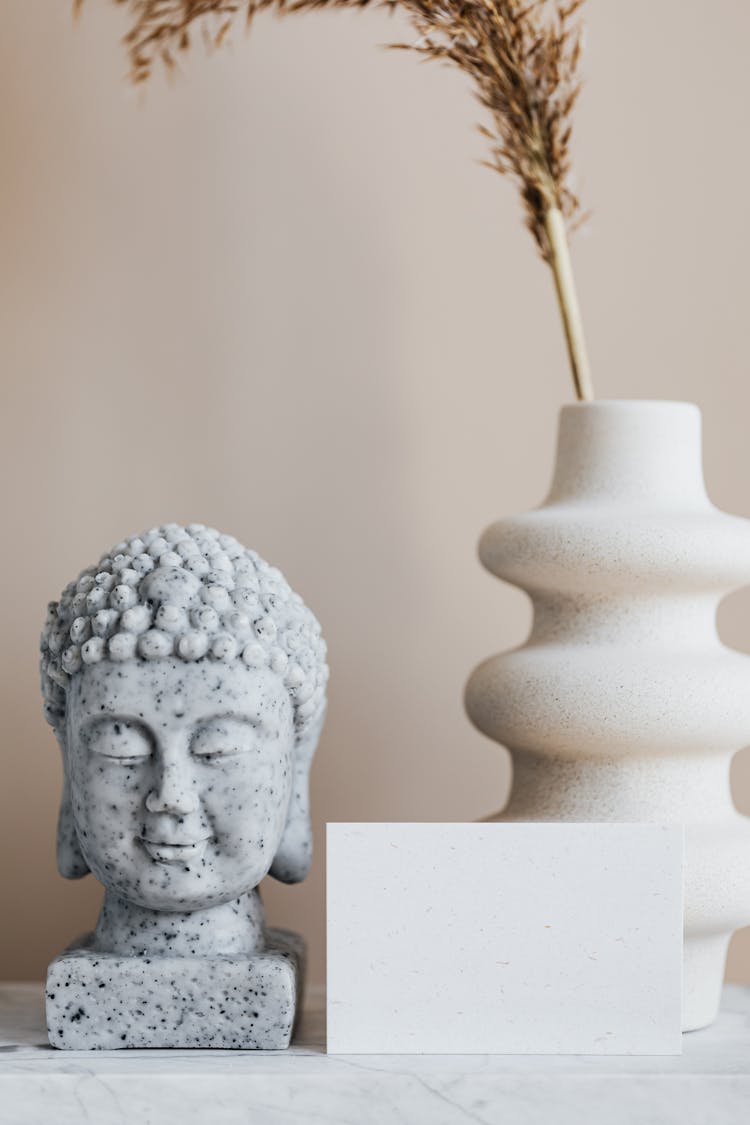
x=185, y=682
x=100, y=1001
x=624, y=704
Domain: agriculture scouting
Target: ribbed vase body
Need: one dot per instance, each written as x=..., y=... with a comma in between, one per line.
x=623, y=704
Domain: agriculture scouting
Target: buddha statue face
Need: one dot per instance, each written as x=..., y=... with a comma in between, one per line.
x=180, y=777
x=186, y=685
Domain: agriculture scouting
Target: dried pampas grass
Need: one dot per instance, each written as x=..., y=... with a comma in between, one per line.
x=523, y=60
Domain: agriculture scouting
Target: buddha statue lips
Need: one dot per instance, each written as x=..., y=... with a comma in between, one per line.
x=185, y=682
x=186, y=854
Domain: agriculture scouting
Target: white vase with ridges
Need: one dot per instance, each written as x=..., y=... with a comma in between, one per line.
x=623, y=704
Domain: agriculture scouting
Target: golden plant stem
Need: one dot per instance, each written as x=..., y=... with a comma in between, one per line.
x=567, y=297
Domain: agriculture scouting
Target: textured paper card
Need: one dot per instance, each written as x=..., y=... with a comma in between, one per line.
x=504, y=938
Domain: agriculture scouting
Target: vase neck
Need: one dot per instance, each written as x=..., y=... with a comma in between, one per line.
x=643, y=453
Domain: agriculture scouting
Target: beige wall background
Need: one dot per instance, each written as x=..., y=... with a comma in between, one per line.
x=281, y=296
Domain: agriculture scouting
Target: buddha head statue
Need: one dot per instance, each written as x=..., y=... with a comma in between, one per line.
x=185, y=683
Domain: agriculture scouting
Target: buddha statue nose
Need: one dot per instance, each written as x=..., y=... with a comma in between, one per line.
x=173, y=791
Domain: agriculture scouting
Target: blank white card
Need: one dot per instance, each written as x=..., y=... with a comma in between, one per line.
x=504, y=938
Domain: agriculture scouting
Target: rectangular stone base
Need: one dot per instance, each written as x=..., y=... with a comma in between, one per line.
x=104, y=1002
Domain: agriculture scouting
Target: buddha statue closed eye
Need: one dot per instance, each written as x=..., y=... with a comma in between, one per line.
x=185, y=682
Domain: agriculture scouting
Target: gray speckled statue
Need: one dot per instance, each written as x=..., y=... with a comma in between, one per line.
x=185, y=682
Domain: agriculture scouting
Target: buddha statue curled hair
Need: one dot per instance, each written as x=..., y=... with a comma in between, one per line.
x=186, y=592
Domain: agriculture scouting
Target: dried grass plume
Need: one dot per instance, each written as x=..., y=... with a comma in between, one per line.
x=522, y=56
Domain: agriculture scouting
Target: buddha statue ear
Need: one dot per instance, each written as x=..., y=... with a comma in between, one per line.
x=294, y=856
x=70, y=861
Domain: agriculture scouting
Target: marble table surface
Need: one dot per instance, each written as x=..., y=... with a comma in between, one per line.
x=709, y=1082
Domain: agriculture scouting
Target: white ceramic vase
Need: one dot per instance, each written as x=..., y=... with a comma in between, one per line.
x=623, y=704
